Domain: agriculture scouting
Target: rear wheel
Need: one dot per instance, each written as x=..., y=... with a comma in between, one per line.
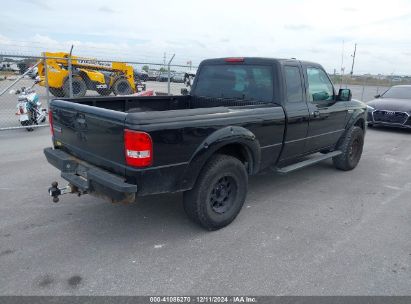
x=218, y=194
x=79, y=87
x=351, y=147
x=26, y=124
x=104, y=92
x=122, y=87
x=56, y=92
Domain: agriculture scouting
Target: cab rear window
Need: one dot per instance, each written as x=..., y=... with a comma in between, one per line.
x=247, y=82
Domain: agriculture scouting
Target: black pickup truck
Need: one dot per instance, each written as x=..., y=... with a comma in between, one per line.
x=242, y=115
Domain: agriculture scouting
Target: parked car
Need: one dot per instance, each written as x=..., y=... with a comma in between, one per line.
x=153, y=74
x=392, y=108
x=140, y=75
x=164, y=77
x=179, y=77
x=33, y=73
x=242, y=115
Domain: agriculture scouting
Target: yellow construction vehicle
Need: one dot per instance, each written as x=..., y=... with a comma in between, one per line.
x=87, y=74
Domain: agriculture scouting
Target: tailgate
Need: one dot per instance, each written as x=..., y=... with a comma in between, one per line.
x=90, y=133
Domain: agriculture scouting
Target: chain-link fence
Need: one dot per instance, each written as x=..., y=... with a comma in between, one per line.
x=27, y=84
x=68, y=76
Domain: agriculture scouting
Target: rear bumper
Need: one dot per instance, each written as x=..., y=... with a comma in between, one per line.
x=89, y=178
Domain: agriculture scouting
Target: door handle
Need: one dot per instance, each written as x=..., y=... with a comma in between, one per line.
x=316, y=113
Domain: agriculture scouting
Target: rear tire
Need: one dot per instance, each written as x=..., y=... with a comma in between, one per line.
x=122, y=87
x=218, y=194
x=104, y=92
x=27, y=123
x=351, y=147
x=79, y=87
x=56, y=92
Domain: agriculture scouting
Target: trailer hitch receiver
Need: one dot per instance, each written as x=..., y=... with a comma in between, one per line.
x=55, y=191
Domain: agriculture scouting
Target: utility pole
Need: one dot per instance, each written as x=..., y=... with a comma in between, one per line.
x=353, y=60
x=342, y=63
x=169, y=75
x=164, y=60
x=70, y=69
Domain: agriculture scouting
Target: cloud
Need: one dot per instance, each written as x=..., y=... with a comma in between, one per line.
x=195, y=30
x=106, y=9
x=338, y=39
x=364, y=52
x=42, y=4
x=316, y=50
x=297, y=27
x=349, y=9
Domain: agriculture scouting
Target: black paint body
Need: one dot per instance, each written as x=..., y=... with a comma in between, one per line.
x=187, y=130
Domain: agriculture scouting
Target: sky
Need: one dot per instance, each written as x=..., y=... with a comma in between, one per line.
x=142, y=31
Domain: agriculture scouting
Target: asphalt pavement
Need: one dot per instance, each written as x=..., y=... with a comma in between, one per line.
x=318, y=231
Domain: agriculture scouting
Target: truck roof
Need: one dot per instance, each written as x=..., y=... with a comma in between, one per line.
x=257, y=60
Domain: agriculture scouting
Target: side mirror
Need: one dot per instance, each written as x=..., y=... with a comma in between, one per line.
x=344, y=95
x=184, y=91
x=377, y=96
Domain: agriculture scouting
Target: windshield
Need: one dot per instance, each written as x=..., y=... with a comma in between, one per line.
x=248, y=82
x=398, y=92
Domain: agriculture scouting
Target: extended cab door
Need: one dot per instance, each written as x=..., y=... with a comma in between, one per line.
x=327, y=116
x=297, y=111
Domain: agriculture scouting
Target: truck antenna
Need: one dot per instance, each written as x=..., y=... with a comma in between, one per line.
x=353, y=59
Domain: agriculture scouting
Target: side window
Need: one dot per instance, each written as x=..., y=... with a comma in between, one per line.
x=319, y=86
x=293, y=83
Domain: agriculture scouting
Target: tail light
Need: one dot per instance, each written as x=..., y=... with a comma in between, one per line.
x=21, y=110
x=51, y=122
x=138, y=148
x=234, y=59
